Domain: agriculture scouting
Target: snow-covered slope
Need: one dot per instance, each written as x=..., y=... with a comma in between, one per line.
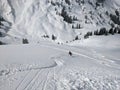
x=63, y=19
x=74, y=63
x=49, y=67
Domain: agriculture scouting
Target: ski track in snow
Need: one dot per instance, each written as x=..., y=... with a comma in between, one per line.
x=20, y=84
x=37, y=78
x=34, y=79
x=107, y=62
x=41, y=77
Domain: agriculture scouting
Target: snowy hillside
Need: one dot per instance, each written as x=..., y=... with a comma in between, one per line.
x=49, y=67
x=58, y=20
x=59, y=44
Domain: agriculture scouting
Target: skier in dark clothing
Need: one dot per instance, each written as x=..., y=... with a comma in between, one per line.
x=70, y=53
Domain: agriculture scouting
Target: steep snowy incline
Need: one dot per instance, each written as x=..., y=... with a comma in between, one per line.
x=49, y=67
x=59, y=20
x=35, y=19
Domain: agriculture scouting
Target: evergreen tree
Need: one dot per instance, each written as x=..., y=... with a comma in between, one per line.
x=115, y=30
x=111, y=31
x=76, y=38
x=103, y=31
x=118, y=31
x=53, y=37
x=79, y=26
x=0, y=34
x=1, y=43
x=116, y=12
x=72, y=26
x=96, y=32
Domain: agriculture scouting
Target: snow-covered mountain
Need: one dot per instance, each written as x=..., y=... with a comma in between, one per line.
x=87, y=53
x=60, y=20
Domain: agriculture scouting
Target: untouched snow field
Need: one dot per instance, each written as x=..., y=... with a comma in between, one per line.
x=48, y=66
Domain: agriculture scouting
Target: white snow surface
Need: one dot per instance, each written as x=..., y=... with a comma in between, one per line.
x=48, y=66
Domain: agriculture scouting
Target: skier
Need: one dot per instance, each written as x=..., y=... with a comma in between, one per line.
x=70, y=53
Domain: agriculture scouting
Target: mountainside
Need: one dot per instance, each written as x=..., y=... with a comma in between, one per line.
x=60, y=45
x=58, y=20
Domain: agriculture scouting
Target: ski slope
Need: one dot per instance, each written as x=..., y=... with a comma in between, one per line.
x=45, y=63
x=48, y=66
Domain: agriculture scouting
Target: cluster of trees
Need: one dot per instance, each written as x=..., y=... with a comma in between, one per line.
x=75, y=18
x=25, y=41
x=68, y=18
x=115, y=18
x=4, y=27
x=103, y=31
x=80, y=1
x=1, y=19
x=87, y=35
x=53, y=37
x=99, y=3
x=114, y=31
x=78, y=26
x=45, y=36
x=67, y=1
